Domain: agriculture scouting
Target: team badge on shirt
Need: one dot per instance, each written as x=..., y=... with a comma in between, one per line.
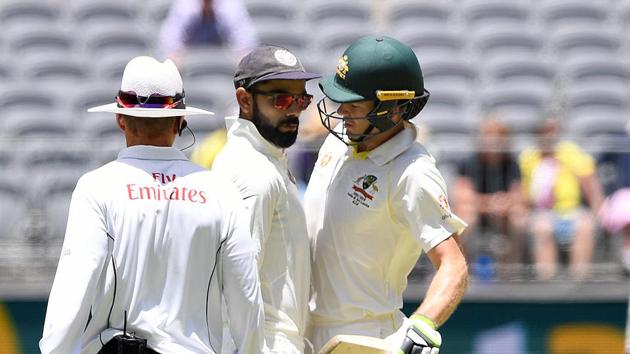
x=363, y=190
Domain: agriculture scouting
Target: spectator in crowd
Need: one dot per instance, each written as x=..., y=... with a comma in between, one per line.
x=154, y=244
x=615, y=212
x=192, y=23
x=488, y=196
x=558, y=177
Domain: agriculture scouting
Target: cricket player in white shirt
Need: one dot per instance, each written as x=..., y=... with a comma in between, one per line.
x=270, y=90
x=375, y=202
x=153, y=242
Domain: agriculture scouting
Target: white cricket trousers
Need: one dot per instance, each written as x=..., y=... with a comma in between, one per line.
x=380, y=326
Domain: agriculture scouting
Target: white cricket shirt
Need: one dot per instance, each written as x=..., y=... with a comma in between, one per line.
x=162, y=221
x=260, y=172
x=370, y=215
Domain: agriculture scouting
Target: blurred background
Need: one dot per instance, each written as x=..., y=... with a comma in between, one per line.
x=528, y=122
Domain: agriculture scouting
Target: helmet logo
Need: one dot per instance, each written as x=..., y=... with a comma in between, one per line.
x=285, y=57
x=342, y=67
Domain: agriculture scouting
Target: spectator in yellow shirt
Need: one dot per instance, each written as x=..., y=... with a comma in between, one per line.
x=557, y=178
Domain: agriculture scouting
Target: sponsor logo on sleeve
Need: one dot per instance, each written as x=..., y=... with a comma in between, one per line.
x=443, y=201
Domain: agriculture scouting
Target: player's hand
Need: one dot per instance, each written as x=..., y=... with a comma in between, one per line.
x=421, y=338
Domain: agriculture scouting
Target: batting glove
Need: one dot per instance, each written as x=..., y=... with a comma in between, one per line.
x=422, y=338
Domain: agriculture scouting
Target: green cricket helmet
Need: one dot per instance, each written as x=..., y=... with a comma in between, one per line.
x=379, y=69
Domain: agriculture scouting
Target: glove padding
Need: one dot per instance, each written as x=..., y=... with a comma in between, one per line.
x=421, y=338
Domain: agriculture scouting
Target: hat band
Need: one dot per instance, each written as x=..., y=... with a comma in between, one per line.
x=132, y=100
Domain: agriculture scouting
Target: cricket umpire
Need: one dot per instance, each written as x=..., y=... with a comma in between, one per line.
x=154, y=243
x=375, y=202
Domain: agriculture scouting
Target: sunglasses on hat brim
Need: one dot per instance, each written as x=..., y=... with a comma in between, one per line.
x=132, y=100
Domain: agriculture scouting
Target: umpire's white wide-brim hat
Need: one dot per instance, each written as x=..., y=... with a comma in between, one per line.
x=145, y=77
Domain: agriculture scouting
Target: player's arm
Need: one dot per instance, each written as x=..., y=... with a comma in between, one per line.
x=83, y=256
x=449, y=282
x=419, y=333
x=241, y=287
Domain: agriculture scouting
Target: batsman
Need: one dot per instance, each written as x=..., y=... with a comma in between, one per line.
x=375, y=202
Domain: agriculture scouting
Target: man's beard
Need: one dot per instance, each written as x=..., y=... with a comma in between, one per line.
x=272, y=133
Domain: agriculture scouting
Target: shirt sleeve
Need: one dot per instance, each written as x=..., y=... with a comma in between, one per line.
x=580, y=162
x=83, y=256
x=241, y=287
x=425, y=207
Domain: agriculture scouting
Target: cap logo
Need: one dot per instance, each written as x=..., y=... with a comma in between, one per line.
x=285, y=57
x=342, y=67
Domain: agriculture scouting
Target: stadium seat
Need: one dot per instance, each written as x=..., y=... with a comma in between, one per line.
x=609, y=95
x=24, y=96
x=41, y=159
x=579, y=39
x=110, y=66
x=452, y=69
x=7, y=69
x=55, y=193
x=281, y=10
x=319, y=12
x=500, y=38
x=106, y=39
x=209, y=62
x=476, y=12
x=157, y=13
x=510, y=67
x=94, y=94
x=13, y=206
x=406, y=13
x=85, y=12
x=621, y=14
x=522, y=104
x=34, y=124
x=55, y=67
x=433, y=39
x=336, y=37
x=595, y=67
x=209, y=97
x=271, y=34
x=16, y=11
x=39, y=40
x=555, y=13
x=449, y=109
x=599, y=108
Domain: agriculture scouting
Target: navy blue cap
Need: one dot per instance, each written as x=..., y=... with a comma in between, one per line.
x=269, y=63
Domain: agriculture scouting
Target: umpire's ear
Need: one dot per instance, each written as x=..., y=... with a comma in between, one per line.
x=245, y=102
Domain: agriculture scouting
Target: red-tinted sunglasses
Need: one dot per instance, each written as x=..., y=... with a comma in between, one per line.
x=283, y=101
x=132, y=100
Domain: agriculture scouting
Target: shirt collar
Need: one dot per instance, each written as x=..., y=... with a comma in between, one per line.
x=149, y=152
x=390, y=149
x=243, y=128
